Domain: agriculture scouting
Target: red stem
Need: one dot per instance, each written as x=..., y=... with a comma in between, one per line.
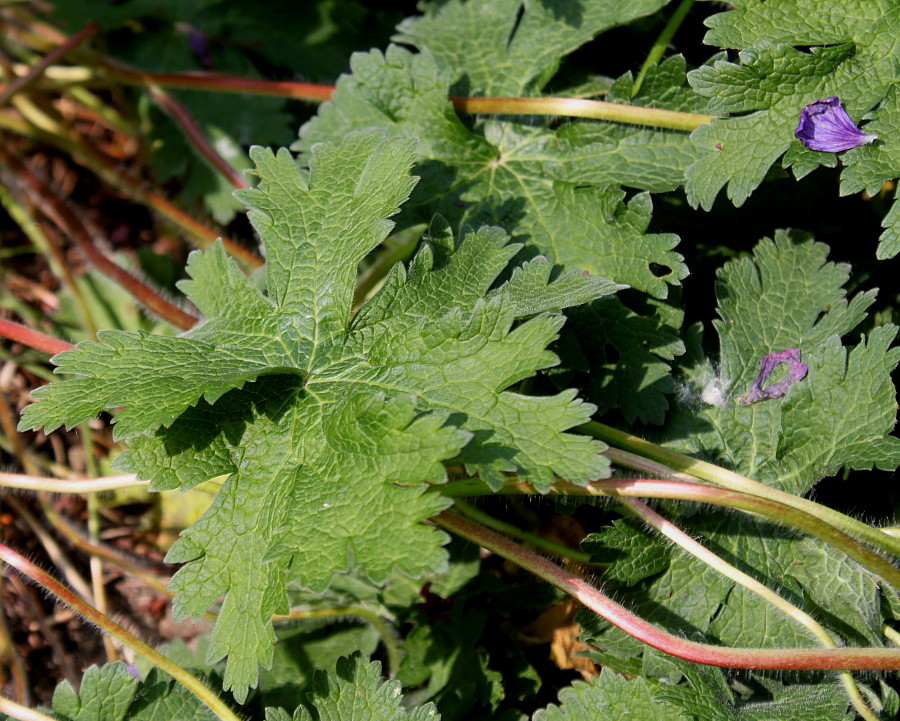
x=32, y=338
x=196, y=137
x=100, y=164
x=69, y=222
x=785, y=659
x=219, y=82
x=45, y=62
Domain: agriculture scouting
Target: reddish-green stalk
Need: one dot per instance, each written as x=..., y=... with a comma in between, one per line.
x=196, y=137
x=45, y=62
x=218, y=82
x=60, y=213
x=567, y=107
x=785, y=659
x=673, y=533
x=189, y=681
x=729, y=479
x=32, y=338
x=773, y=511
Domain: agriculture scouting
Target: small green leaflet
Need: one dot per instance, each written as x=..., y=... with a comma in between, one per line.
x=354, y=692
x=112, y=693
x=331, y=427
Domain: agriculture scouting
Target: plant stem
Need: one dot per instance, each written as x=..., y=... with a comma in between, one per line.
x=93, y=523
x=891, y=634
x=533, y=539
x=700, y=552
x=32, y=338
x=189, y=681
x=216, y=82
x=773, y=511
x=568, y=107
x=786, y=659
x=45, y=62
x=22, y=713
x=650, y=469
x=95, y=548
x=662, y=42
x=581, y=108
x=56, y=485
x=196, y=137
x=730, y=479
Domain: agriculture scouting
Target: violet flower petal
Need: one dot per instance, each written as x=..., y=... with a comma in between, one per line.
x=797, y=371
x=825, y=125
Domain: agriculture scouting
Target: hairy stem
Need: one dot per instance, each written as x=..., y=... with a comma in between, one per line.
x=56, y=485
x=22, y=713
x=786, y=659
x=662, y=42
x=32, y=338
x=188, y=680
x=582, y=108
x=730, y=479
x=701, y=553
x=533, y=539
x=196, y=137
x=773, y=511
x=567, y=107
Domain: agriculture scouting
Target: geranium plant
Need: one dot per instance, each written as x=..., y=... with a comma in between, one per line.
x=472, y=314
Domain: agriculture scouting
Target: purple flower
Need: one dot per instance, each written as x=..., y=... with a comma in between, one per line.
x=825, y=125
x=796, y=371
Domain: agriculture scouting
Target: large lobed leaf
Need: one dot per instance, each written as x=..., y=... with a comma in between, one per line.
x=853, y=56
x=556, y=189
x=330, y=429
x=787, y=295
x=553, y=185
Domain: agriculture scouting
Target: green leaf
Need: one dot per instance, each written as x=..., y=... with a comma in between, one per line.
x=163, y=699
x=788, y=296
x=302, y=651
x=355, y=692
x=105, y=695
x=611, y=697
x=632, y=553
x=706, y=695
x=554, y=188
x=509, y=47
x=312, y=415
x=629, y=357
x=852, y=56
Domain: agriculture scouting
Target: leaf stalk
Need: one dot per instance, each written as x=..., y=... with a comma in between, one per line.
x=785, y=659
x=188, y=680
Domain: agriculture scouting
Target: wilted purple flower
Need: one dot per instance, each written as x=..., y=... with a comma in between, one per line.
x=796, y=371
x=825, y=125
